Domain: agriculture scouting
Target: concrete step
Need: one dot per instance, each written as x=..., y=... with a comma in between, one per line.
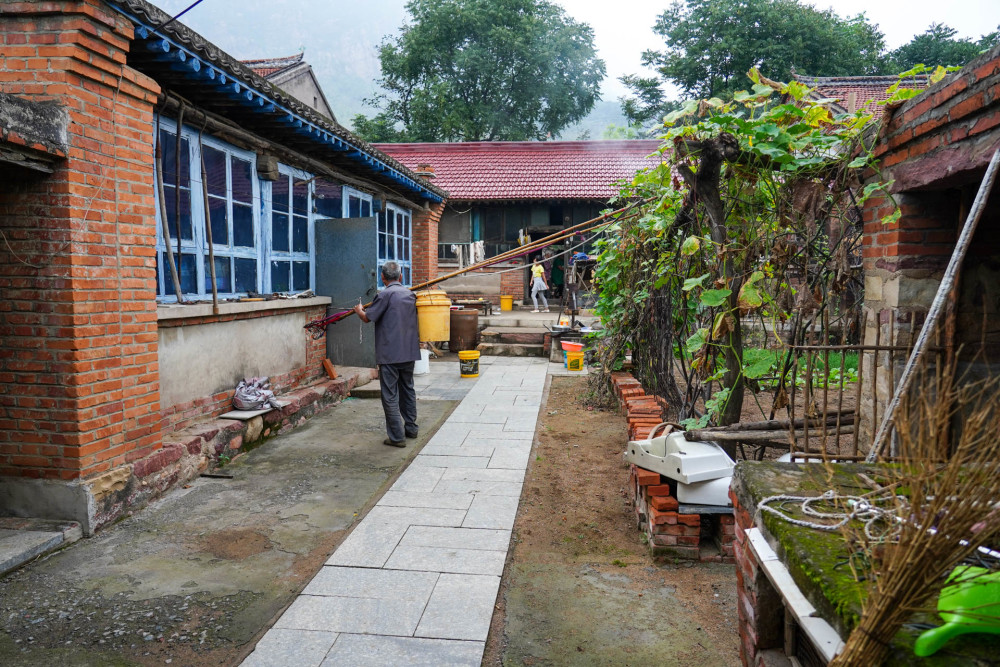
x=512, y=349
x=521, y=335
x=22, y=540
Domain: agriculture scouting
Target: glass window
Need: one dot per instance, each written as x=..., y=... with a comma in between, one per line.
x=394, y=240
x=261, y=232
x=357, y=204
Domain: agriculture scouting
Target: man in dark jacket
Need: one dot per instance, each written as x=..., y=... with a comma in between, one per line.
x=394, y=312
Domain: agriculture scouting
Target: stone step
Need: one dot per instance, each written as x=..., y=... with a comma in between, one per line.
x=511, y=349
x=370, y=390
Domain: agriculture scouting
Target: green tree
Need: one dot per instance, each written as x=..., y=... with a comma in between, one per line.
x=712, y=44
x=484, y=70
x=938, y=46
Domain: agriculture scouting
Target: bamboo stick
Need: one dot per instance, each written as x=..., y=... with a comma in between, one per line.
x=164, y=224
x=208, y=232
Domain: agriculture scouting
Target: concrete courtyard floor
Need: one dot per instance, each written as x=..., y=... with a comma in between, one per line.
x=196, y=577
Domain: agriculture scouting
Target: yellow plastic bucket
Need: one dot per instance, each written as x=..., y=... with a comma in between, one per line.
x=468, y=363
x=433, y=315
x=574, y=361
x=506, y=302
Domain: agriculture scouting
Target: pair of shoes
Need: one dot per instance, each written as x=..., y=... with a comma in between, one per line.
x=546, y=310
x=413, y=436
x=394, y=443
x=534, y=311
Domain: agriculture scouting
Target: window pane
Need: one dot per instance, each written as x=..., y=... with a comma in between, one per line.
x=243, y=226
x=279, y=195
x=223, y=276
x=300, y=276
x=366, y=209
x=493, y=227
x=300, y=198
x=329, y=199
x=246, y=274
x=168, y=148
x=406, y=250
x=382, y=217
x=381, y=246
x=220, y=224
x=353, y=207
x=215, y=168
x=189, y=274
x=170, y=200
x=390, y=247
x=242, y=181
x=279, y=232
x=406, y=275
x=300, y=234
x=399, y=248
x=406, y=226
x=279, y=276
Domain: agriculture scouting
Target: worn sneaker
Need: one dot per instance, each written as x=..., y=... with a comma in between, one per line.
x=534, y=311
x=394, y=443
x=413, y=435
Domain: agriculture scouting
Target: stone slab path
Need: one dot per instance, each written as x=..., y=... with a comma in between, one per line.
x=416, y=580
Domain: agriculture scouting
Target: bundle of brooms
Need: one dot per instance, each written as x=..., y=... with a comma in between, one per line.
x=945, y=487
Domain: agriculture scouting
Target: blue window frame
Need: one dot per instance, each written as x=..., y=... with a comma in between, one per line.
x=395, y=235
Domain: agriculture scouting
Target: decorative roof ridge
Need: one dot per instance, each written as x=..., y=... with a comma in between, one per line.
x=469, y=146
x=859, y=80
x=145, y=11
x=281, y=61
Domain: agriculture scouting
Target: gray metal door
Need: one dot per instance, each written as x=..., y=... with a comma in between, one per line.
x=346, y=261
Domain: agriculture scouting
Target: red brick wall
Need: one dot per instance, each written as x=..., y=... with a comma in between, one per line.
x=182, y=415
x=78, y=355
x=425, y=243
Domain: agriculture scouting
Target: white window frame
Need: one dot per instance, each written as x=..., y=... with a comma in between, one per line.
x=261, y=211
x=290, y=255
x=397, y=223
x=350, y=192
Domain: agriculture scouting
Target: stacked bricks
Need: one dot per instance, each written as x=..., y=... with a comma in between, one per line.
x=642, y=411
x=668, y=532
x=424, y=258
x=79, y=387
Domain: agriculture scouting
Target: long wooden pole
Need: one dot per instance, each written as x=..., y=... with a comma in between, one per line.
x=950, y=274
x=208, y=229
x=589, y=225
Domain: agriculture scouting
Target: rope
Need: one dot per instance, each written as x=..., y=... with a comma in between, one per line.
x=861, y=509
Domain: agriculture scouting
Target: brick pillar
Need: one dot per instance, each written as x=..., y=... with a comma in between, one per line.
x=760, y=609
x=425, y=242
x=79, y=392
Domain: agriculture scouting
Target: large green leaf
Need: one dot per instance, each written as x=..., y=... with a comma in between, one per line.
x=690, y=246
x=691, y=283
x=714, y=297
x=696, y=341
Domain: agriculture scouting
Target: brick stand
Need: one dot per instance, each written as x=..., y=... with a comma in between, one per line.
x=668, y=532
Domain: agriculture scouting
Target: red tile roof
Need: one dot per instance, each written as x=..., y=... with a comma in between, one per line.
x=267, y=66
x=858, y=92
x=519, y=170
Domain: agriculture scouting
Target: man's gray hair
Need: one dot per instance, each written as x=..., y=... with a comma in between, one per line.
x=390, y=272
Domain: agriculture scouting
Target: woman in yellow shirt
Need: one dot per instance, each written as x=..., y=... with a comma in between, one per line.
x=538, y=285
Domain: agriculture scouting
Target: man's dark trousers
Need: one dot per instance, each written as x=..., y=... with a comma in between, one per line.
x=399, y=400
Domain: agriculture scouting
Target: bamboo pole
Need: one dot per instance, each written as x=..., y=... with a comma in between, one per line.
x=208, y=231
x=961, y=247
x=164, y=224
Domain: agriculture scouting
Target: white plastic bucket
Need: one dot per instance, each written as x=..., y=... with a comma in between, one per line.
x=423, y=365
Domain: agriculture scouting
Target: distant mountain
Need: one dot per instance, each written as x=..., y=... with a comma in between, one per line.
x=340, y=40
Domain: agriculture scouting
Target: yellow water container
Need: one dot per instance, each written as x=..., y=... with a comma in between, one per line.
x=433, y=315
x=468, y=363
x=574, y=361
x=506, y=302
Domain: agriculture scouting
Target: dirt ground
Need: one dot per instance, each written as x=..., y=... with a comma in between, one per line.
x=579, y=586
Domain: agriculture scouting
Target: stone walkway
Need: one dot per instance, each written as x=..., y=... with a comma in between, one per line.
x=416, y=581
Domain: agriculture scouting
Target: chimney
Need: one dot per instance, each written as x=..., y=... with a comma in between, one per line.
x=425, y=171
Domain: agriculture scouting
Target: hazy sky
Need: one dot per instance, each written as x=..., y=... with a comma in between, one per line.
x=340, y=38
x=623, y=28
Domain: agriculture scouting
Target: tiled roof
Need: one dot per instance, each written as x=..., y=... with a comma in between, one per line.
x=858, y=92
x=519, y=170
x=268, y=66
